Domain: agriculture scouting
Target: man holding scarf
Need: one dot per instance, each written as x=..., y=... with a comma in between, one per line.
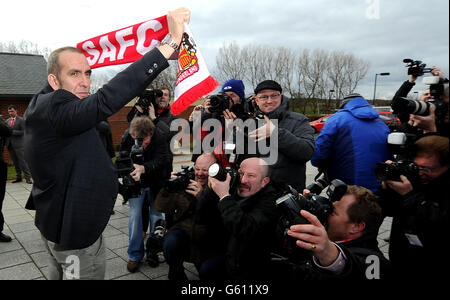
x=75, y=184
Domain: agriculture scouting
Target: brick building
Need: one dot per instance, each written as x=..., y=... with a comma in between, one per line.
x=21, y=76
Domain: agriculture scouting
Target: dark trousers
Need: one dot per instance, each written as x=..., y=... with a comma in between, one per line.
x=3, y=176
x=176, y=248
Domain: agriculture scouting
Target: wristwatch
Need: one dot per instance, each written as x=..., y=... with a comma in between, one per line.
x=169, y=41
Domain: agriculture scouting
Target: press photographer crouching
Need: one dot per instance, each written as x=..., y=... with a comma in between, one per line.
x=186, y=240
x=249, y=215
x=419, y=205
x=431, y=113
x=336, y=237
x=150, y=173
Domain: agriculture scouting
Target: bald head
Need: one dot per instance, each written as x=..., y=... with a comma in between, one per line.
x=202, y=165
x=254, y=176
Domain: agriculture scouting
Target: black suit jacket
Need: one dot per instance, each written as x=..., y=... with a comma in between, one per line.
x=75, y=184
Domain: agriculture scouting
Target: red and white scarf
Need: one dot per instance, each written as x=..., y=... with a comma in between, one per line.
x=130, y=43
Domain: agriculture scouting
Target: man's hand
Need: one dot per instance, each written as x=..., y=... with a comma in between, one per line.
x=195, y=189
x=228, y=115
x=221, y=188
x=138, y=170
x=175, y=22
x=426, y=123
x=196, y=113
x=207, y=104
x=435, y=71
x=402, y=187
x=151, y=112
x=139, y=109
x=264, y=131
x=314, y=237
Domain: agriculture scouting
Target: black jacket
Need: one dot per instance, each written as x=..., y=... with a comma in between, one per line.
x=5, y=132
x=157, y=158
x=75, y=184
x=363, y=257
x=295, y=146
x=251, y=225
x=425, y=213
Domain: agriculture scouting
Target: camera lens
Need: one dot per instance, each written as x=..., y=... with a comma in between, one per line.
x=215, y=171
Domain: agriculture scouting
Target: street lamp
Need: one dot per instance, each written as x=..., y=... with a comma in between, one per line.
x=375, y=87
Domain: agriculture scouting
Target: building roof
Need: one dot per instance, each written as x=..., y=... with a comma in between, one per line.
x=21, y=74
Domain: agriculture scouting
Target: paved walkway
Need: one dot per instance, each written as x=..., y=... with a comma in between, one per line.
x=26, y=258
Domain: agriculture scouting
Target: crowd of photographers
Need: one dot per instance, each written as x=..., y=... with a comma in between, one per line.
x=237, y=217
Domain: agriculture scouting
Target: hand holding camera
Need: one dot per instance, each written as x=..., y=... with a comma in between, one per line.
x=194, y=188
x=402, y=186
x=221, y=188
x=314, y=237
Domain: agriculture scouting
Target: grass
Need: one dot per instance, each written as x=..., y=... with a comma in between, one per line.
x=11, y=173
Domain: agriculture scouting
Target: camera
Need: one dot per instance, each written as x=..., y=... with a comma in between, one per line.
x=181, y=181
x=416, y=67
x=290, y=205
x=219, y=173
x=219, y=103
x=292, y=202
x=149, y=97
x=128, y=187
x=393, y=171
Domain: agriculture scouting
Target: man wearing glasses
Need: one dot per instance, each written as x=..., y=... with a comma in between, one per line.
x=295, y=135
x=421, y=216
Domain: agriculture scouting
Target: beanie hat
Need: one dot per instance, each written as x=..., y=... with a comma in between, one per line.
x=236, y=86
x=268, y=85
x=348, y=98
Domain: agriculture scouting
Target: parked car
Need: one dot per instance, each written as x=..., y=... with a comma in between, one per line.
x=318, y=124
x=387, y=117
x=390, y=119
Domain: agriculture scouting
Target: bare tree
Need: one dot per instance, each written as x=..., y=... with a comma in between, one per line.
x=231, y=62
x=25, y=47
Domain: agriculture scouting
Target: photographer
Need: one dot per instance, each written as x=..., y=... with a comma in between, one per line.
x=151, y=175
x=295, y=135
x=250, y=216
x=341, y=248
x=418, y=122
x=185, y=238
x=225, y=107
x=419, y=205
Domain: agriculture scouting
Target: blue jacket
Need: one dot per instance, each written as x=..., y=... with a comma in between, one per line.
x=350, y=144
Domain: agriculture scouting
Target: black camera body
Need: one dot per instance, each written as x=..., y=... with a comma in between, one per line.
x=148, y=97
x=181, y=181
x=129, y=188
x=393, y=171
x=416, y=67
x=219, y=103
x=290, y=205
x=322, y=207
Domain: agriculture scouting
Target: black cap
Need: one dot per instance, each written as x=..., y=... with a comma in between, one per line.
x=268, y=85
